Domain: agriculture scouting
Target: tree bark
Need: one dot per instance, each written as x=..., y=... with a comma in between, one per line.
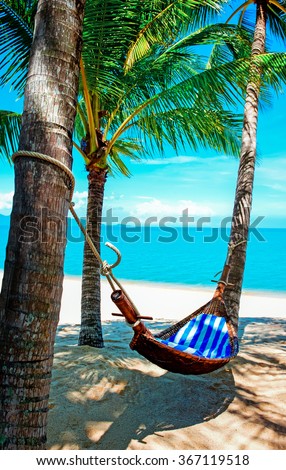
x=244, y=188
x=91, y=329
x=33, y=274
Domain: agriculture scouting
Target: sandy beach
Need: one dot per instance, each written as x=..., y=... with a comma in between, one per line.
x=114, y=399
x=168, y=301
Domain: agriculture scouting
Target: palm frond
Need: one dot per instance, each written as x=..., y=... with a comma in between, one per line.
x=158, y=96
x=10, y=126
x=169, y=20
x=240, y=8
x=109, y=27
x=233, y=46
x=167, y=67
x=219, y=85
x=277, y=21
x=273, y=69
x=116, y=164
x=129, y=147
x=219, y=33
x=196, y=127
x=15, y=43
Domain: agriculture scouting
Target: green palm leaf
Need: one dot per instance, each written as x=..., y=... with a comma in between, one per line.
x=128, y=147
x=15, y=43
x=10, y=125
x=206, y=127
x=170, y=19
x=158, y=96
x=277, y=21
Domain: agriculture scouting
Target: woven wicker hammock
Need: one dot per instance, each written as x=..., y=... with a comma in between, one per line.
x=200, y=343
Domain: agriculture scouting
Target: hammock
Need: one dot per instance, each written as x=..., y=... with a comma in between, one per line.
x=201, y=343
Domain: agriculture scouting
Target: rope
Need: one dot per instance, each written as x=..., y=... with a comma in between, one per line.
x=223, y=280
x=47, y=158
x=67, y=171
x=232, y=245
x=105, y=267
x=231, y=248
x=86, y=235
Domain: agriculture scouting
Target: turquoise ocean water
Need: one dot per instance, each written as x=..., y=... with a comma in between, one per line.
x=177, y=255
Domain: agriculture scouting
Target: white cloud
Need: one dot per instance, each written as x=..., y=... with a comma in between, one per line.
x=272, y=169
x=6, y=200
x=180, y=159
x=157, y=208
x=147, y=198
x=80, y=199
x=109, y=197
x=276, y=187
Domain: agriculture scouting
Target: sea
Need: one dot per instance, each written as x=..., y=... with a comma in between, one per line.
x=177, y=255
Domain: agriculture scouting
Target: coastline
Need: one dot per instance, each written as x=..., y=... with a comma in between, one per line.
x=166, y=301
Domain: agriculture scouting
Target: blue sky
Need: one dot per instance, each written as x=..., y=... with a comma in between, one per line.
x=202, y=182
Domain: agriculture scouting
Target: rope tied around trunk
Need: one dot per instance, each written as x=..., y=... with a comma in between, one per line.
x=231, y=248
x=105, y=268
x=67, y=171
x=47, y=158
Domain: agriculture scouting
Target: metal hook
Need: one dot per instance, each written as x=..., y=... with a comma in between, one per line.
x=111, y=266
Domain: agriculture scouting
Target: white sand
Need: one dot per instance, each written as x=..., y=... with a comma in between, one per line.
x=112, y=398
x=167, y=301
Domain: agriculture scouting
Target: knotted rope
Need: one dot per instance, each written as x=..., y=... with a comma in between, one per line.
x=67, y=171
x=105, y=268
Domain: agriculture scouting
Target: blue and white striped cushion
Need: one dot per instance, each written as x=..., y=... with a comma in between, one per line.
x=204, y=335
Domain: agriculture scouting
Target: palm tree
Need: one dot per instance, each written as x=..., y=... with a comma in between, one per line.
x=145, y=91
x=33, y=275
x=269, y=13
x=137, y=86
x=135, y=82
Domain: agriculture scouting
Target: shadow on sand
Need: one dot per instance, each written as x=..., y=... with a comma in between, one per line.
x=123, y=397
x=106, y=399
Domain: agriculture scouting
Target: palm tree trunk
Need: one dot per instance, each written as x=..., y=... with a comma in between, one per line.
x=33, y=275
x=244, y=188
x=91, y=329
